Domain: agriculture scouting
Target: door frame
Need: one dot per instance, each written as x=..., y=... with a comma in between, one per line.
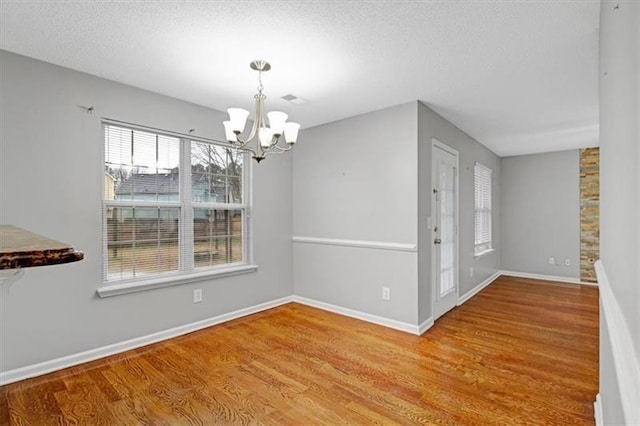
x=436, y=144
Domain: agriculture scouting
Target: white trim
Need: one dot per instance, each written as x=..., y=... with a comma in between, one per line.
x=427, y=324
x=381, y=245
x=483, y=253
x=109, y=290
x=468, y=295
x=435, y=142
x=597, y=411
x=386, y=322
x=247, y=192
x=41, y=368
x=547, y=278
x=625, y=359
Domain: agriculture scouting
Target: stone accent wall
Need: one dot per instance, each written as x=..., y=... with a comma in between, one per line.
x=589, y=212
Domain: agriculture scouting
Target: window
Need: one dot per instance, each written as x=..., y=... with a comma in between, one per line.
x=171, y=205
x=482, y=217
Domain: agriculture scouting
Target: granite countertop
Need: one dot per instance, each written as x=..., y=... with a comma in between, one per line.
x=20, y=248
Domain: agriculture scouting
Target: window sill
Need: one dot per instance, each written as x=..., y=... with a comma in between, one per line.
x=483, y=253
x=150, y=284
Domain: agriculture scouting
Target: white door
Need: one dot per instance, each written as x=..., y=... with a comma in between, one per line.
x=445, y=228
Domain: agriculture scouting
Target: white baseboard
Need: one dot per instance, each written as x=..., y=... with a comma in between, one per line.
x=427, y=324
x=547, y=278
x=41, y=368
x=597, y=411
x=468, y=295
x=625, y=359
x=375, y=319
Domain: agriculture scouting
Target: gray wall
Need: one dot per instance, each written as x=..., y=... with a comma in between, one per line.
x=541, y=213
x=619, y=179
x=431, y=125
x=619, y=158
x=51, y=183
x=356, y=179
x=349, y=185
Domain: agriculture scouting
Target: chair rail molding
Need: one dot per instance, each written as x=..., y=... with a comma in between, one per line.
x=380, y=245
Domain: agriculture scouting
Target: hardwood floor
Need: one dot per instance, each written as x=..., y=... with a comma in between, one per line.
x=520, y=352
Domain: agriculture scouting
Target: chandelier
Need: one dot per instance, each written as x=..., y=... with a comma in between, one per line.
x=268, y=137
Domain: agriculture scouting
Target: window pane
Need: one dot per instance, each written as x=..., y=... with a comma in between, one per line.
x=141, y=165
x=234, y=190
x=447, y=227
x=216, y=174
x=234, y=163
x=141, y=241
x=217, y=237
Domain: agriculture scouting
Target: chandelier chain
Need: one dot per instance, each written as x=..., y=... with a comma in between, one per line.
x=260, y=87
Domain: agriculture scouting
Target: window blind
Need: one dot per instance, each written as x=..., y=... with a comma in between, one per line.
x=482, y=207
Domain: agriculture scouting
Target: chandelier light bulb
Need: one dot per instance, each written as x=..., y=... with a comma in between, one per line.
x=265, y=135
x=228, y=132
x=277, y=120
x=238, y=118
x=291, y=132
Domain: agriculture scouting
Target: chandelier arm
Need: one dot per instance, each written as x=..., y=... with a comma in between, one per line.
x=260, y=150
x=242, y=145
x=280, y=150
x=246, y=148
x=272, y=146
x=256, y=121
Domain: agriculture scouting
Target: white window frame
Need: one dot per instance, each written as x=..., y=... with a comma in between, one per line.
x=186, y=272
x=484, y=246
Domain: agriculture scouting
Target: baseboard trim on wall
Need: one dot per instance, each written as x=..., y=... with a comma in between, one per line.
x=468, y=295
x=427, y=324
x=597, y=411
x=45, y=367
x=375, y=319
x=625, y=359
x=380, y=245
x=568, y=280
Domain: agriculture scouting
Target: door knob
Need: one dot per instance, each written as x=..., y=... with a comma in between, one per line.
x=437, y=241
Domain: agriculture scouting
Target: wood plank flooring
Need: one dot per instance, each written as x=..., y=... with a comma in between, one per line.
x=520, y=352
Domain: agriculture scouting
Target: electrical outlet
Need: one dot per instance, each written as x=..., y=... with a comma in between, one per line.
x=552, y=261
x=386, y=293
x=471, y=272
x=197, y=295
x=567, y=262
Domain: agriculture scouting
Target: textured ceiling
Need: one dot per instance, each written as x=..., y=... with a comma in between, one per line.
x=519, y=76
